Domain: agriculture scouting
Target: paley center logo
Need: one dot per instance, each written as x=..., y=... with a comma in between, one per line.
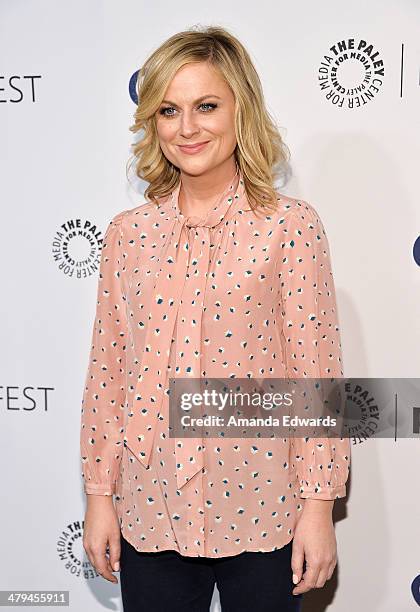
x=76, y=248
x=71, y=552
x=351, y=73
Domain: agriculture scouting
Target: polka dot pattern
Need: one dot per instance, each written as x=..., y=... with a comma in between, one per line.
x=257, y=300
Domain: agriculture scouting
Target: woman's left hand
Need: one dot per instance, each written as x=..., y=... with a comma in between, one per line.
x=314, y=540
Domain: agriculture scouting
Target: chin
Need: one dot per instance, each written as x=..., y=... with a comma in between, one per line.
x=195, y=168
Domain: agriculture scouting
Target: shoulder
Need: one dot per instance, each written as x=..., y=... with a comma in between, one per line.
x=298, y=213
x=297, y=208
x=129, y=217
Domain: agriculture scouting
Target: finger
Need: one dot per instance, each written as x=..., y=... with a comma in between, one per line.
x=331, y=570
x=322, y=577
x=109, y=567
x=89, y=555
x=106, y=573
x=114, y=554
x=108, y=562
x=297, y=561
x=309, y=579
x=101, y=564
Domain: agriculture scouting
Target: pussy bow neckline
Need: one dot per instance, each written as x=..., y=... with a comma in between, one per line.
x=182, y=273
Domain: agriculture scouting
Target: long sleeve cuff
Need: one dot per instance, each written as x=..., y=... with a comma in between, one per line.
x=322, y=492
x=99, y=489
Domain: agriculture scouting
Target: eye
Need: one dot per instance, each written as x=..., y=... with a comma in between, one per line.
x=164, y=109
x=169, y=111
x=210, y=106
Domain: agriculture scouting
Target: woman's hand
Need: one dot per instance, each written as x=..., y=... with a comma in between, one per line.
x=100, y=531
x=314, y=540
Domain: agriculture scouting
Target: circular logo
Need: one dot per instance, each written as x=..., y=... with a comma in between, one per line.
x=351, y=73
x=366, y=409
x=76, y=248
x=71, y=552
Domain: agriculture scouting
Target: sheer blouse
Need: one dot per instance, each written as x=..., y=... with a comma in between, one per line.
x=228, y=295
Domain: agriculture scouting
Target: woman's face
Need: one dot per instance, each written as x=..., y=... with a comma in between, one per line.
x=198, y=107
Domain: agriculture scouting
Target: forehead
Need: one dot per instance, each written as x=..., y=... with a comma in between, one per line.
x=194, y=80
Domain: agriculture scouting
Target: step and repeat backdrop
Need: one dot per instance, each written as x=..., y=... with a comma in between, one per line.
x=342, y=81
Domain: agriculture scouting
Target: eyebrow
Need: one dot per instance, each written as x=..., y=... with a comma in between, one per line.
x=195, y=101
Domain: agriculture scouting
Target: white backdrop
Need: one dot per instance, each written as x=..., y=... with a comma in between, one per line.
x=64, y=116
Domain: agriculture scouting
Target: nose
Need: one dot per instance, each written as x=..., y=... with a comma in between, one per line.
x=189, y=124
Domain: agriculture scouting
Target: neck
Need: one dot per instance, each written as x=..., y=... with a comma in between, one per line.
x=198, y=194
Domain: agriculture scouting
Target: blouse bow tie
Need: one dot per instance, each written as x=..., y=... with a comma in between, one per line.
x=177, y=304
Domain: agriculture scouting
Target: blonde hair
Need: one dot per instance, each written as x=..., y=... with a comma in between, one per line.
x=259, y=144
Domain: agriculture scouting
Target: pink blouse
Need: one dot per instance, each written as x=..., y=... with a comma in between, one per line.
x=231, y=295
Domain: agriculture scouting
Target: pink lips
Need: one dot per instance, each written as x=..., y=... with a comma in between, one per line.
x=191, y=149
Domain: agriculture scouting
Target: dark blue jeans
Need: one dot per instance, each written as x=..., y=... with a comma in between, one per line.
x=166, y=581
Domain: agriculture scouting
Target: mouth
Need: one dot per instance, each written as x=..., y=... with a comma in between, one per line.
x=193, y=148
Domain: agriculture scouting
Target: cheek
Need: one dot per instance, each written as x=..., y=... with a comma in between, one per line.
x=166, y=131
x=224, y=127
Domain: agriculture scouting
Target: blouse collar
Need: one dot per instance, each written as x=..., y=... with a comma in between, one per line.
x=227, y=205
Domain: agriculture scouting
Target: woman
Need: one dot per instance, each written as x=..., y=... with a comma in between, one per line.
x=216, y=275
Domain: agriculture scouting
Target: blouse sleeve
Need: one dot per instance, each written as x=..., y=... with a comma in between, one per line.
x=310, y=330
x=101, y=433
